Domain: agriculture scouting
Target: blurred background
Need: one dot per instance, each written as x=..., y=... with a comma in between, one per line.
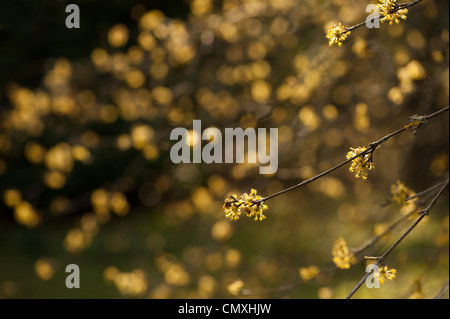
x=85, y=120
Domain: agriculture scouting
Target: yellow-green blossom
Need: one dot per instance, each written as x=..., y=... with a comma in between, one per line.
x=231, y=207
x=361, y=164
x=235, y=287
x=385, y=273
x=389, y=12
x=337, y=34
x=308, y=273
x=400, y=193
x=251, y=205
x=342, y=256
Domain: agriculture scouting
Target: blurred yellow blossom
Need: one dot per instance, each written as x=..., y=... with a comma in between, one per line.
x=43, y=268
x=400, y=193
x=12, y=197
x=54, y=179
x=80, y=153
x=119, y=204
x=34, y=152
x=235, y=287
x=118, y=35
x=342, y=256
x=308, y=273
x=221, y=231
x=60, y=158
x=201, y=7
x=26, y=215
x=132, y=283
x=76, y=240
x=141, y=134
x=176, y=275
x=110, y=273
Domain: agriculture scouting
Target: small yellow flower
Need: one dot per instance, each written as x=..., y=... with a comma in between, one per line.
x=389, y=12
x=231, y=207
x=337, y=34
x=235, y=287
x=385, y=273
x=251, y=205
x=342, y=256
x=308, y=273
x=361, y=164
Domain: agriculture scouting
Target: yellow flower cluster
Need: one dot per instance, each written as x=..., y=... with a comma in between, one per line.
x=385, y=273
x=337, y=34
x=361, y=164
x=250, y=204
x=342, y=256
x=389, y=12
x=132, y=283
x=399, y=193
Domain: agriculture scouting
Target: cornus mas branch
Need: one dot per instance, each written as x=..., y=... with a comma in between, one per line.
x=390, y=11
x=399, y=7
x=428, y=190
x=381, y=259
x=355, y=251
x=373, y=240
x=372, y=147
